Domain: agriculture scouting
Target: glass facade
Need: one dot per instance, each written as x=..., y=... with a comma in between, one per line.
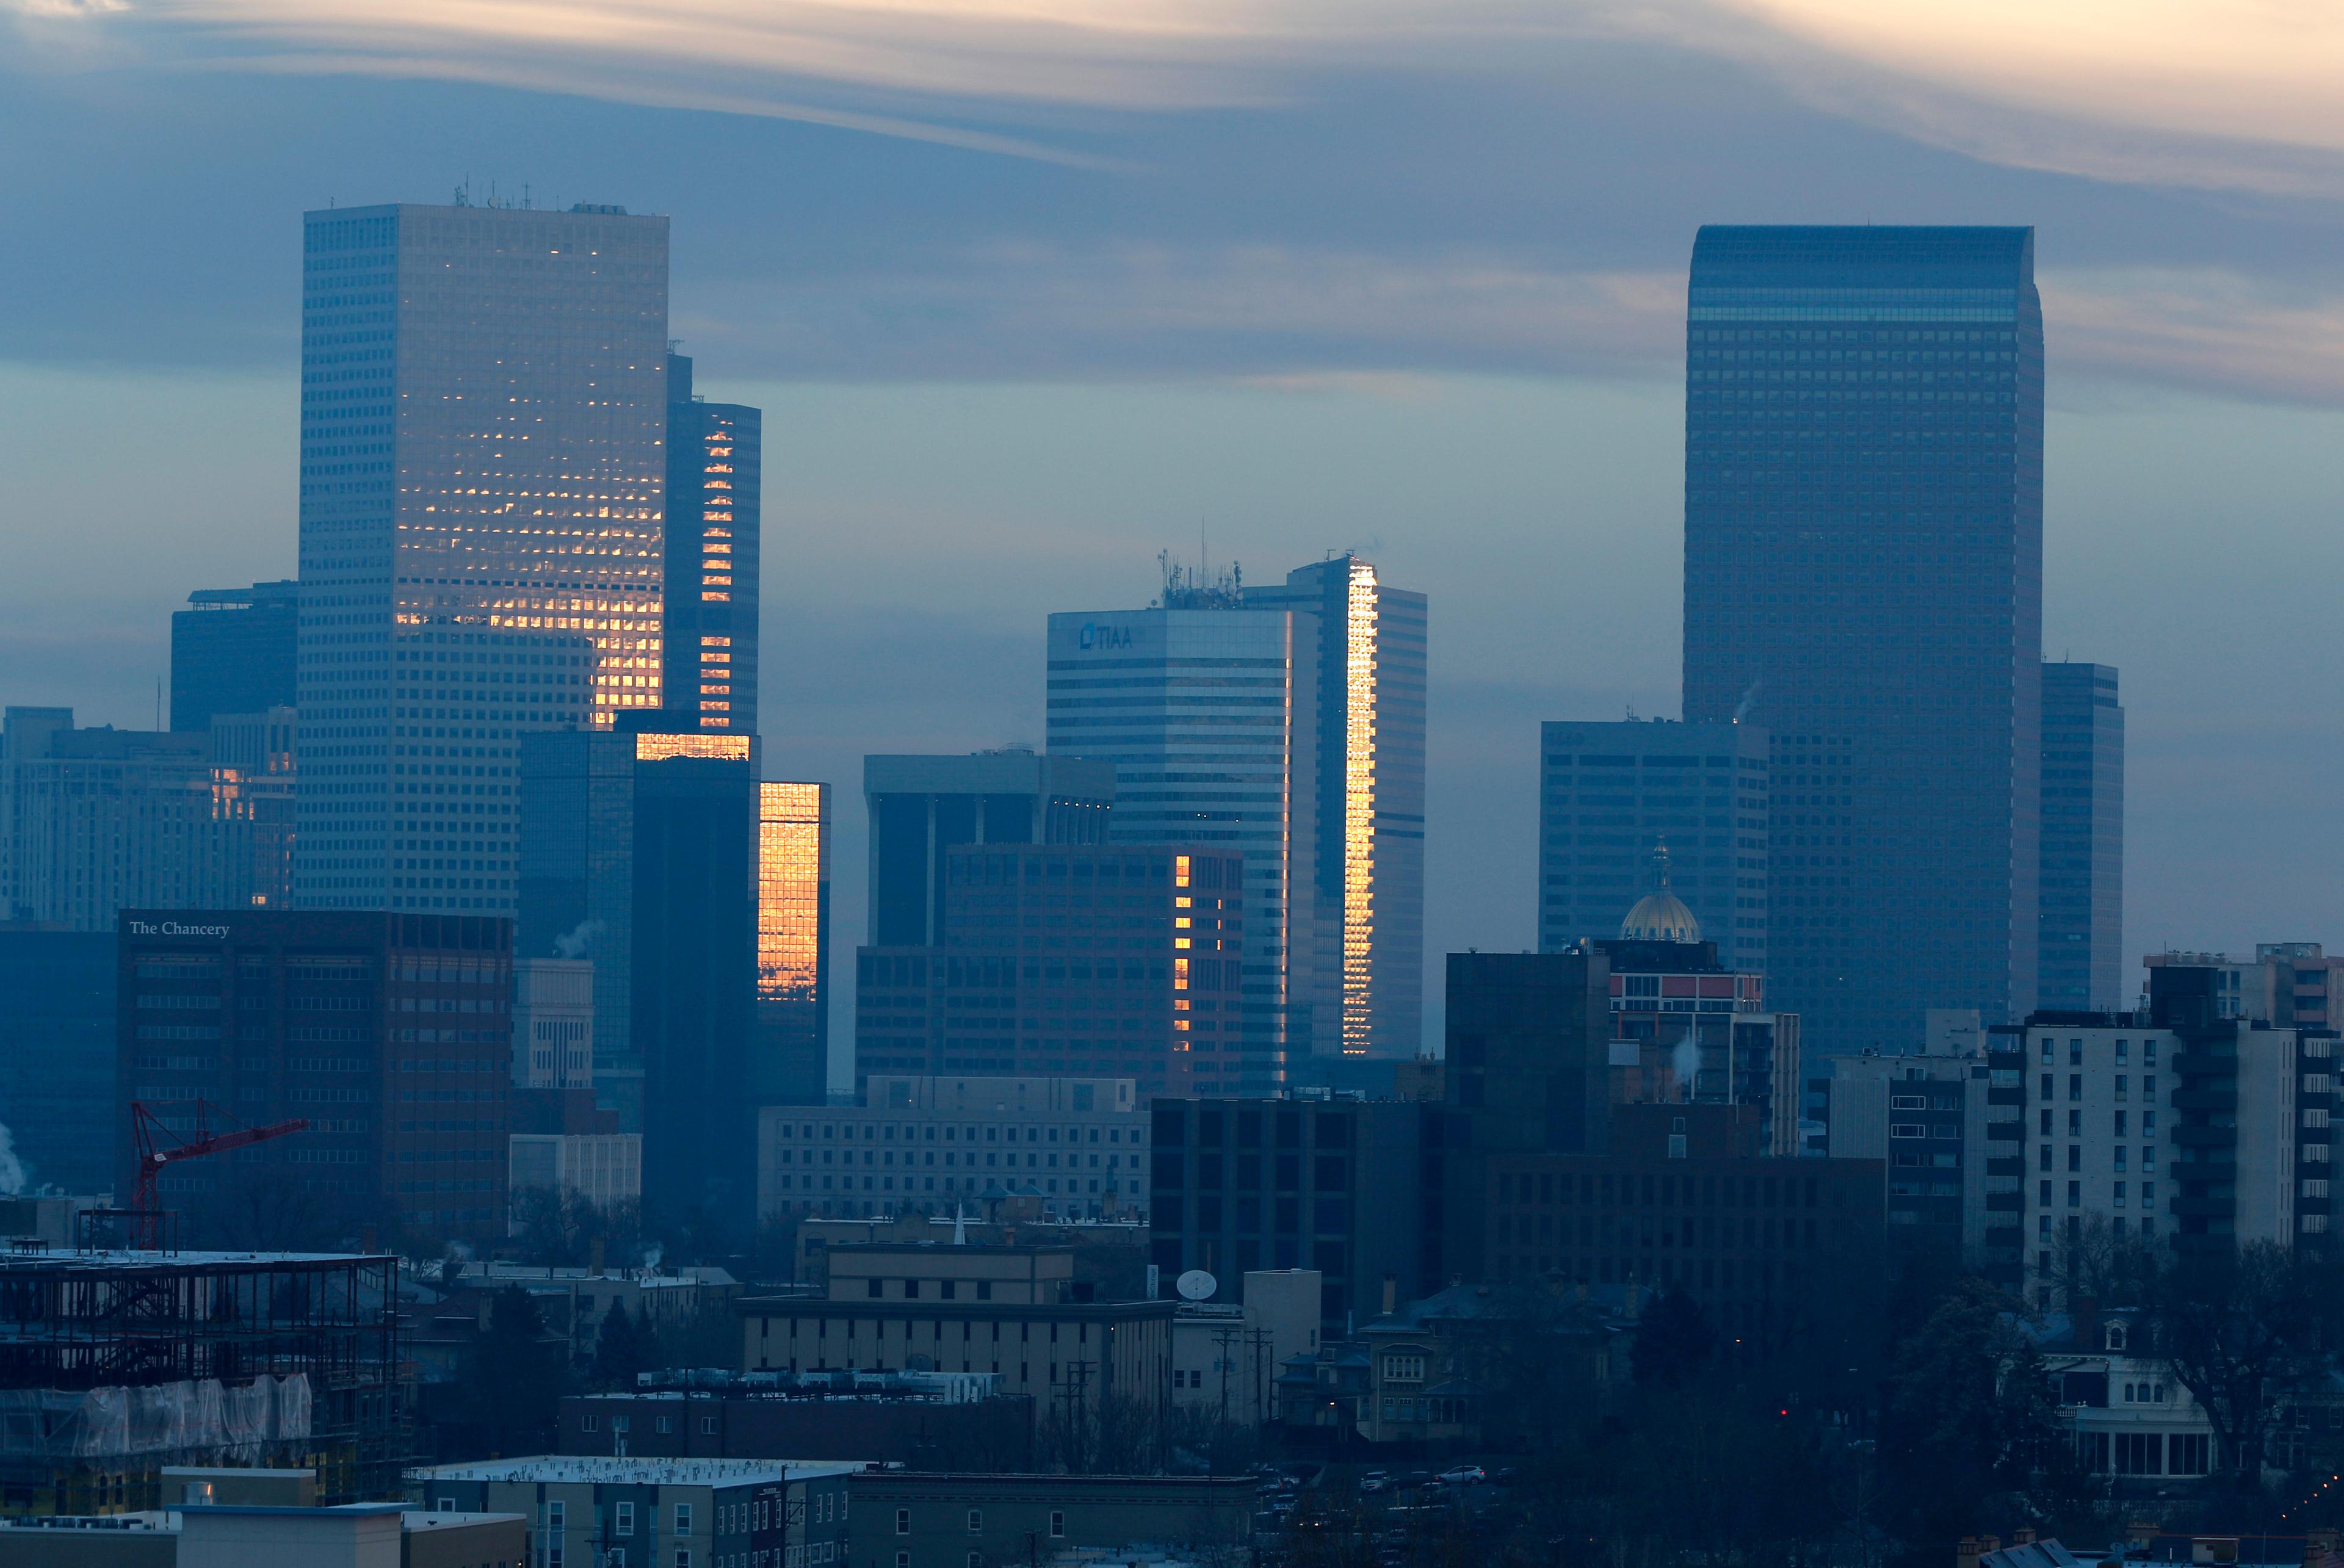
x=714, y=488
x=483, y=477
x=792, y=1063
x=2082, y=936
x=1208, y=715
x=1863, y=568
x=1612, y=795
x=1369, y=746
x=232, y=651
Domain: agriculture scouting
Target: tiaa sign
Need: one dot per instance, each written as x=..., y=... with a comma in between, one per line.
x=1097, y=636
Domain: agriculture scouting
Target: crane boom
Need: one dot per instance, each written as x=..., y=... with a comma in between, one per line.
x=148, y=1131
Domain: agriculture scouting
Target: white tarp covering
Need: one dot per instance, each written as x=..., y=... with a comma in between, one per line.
x=183, y=1418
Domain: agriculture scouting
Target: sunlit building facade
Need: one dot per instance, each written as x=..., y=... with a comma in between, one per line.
x=792, y=1060
x=1369, y=741
x=714, y=485
x=1208, y=711
x=483, y=476
x=1863, y=580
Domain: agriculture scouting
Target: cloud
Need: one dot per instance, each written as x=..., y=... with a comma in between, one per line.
x=2202, y=330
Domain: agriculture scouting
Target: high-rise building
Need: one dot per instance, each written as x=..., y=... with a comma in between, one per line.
x=639, y=852
x=232, y=653
x=921, y=806
x=390, y=1035
x=714, y=488
x=483, y=475
x=1068, y=959
x=1863, y=574
x=56, y=1055
x=791, y=1065
x=1369, y=739
x=1208, y=710
x=2288, y=985
x=553, y=1023
x=1622, y=804
x=2079, y=947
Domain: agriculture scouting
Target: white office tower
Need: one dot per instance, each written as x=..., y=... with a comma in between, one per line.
x=1369, y=744
x=1208, y=708
x=483, y=414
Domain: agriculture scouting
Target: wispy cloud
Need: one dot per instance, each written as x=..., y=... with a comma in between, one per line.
x=2204, y=329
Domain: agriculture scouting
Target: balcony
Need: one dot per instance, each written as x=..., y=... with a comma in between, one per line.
x=2221, y=1099
x=2203, y=1170
x=2206, y=1137
x=2219, y=1208
x=2205, y=1065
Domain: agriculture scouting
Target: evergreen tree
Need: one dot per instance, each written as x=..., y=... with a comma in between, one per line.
x=625, y=1346
x=518, y=1373
x=1673, y=1340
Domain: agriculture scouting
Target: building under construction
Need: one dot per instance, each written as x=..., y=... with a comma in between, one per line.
x=113, y=1364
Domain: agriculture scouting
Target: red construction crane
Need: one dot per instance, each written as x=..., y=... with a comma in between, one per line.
x=148, y=1131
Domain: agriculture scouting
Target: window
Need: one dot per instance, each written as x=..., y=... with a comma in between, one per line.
x=590, y=1422
x=665, y=1424
x=683, y=1557
x=684, y=1518
x=976, y=1521
x=708, y=1426
x=447, y=1505
x=903, y=1560
x=902, y=1522
x=1404, y=1368
x=623, y=1520
x=872, y=1288
x=1057, y=1526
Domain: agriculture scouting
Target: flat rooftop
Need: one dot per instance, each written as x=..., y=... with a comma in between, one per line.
x=604, y=1469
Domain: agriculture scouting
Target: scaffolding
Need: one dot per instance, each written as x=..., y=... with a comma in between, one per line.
x=113, y=1363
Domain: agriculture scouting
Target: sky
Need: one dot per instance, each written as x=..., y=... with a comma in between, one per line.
x=1032, y=289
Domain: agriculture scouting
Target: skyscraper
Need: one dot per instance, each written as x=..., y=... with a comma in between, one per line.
x=2082, y=934
x=1208, y=708
x=232, y=651
x=1863, y=571
x=1369, y=741
x=483, y=408
x=714, y=486
x=791, y=1065
x=1614, y=797
x=920, y=806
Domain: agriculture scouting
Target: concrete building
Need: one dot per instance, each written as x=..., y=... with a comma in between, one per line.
x=935, y=1145
x=553, y=1023
x=347, y=1535
x=2081, y=941
x=1111, y=1256
x=1067, y=959
x=572, y=1299
x=791, y=1062
x=602, y=1168
x=56, y=1057
x=928, y=1421
x=655, y=1512
x=503, y=573
x=1613, y=797
x=1346, y=1188
x=640, y=852
x=1689, y=1029
x=390, y=1035
x=1226, y=1355
x=921, y=806
x=905, y=1519
x=1369, y=861
x=1875, y=617
x=2286, y=984
x=1017, y=1311
x=1209, y=712
x=714, y=528
x=232, y=651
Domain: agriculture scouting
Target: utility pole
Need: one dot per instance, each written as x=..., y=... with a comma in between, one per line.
x=1223, y=1339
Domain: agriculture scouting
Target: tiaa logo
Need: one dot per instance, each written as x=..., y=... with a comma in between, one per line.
x=1098, y=636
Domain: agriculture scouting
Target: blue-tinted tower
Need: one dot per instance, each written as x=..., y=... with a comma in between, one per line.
x=2082, y=931
x=1864, y=572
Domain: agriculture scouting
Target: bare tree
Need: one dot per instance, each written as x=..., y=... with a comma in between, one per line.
x=2240, y=1329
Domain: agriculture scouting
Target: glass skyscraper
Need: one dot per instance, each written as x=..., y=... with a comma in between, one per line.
x=1369, y=741
x=714, y=491
x=483, y=414
x=1207, y=710
x=1863, y=572
x=792, y=1064
x=2082, y=934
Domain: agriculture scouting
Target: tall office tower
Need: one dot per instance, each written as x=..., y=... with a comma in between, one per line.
x=1863, y=577
x=2081, y=941
x=232, y=651
x=57, y=1055
x=483, y=473
x=639, y=852
x=792, y=1065
x=1369, y=740
x=1622, y=805
x=714, y=484
x=1208, y=711
x=921, y=806
x=253, y=798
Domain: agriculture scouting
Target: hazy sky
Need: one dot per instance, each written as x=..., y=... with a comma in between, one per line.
x=1033, y=288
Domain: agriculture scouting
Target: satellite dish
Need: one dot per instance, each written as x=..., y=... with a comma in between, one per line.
x=1196, y=1285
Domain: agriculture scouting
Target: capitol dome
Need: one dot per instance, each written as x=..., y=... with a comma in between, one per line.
x=1660, y=917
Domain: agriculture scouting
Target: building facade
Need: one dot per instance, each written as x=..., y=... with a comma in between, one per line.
x=1369, y=861
x=921, y=806
x=1069, y=960
x=654, y=1513
x=1613, y=797
x=1863, y=571
x=1945, y=1130
x=483, y=477
x=940, y=1144
x=1692, y=1030
x=793, y=1055
x=232, y=651
x=2081, y=942
x=905, y=1519
x=390, y=1035
x=715, y=508
x=1208, y=711
x=2287, y=985
x=56, y=1057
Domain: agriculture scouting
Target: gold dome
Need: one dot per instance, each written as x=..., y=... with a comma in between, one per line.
x=1660, y=917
